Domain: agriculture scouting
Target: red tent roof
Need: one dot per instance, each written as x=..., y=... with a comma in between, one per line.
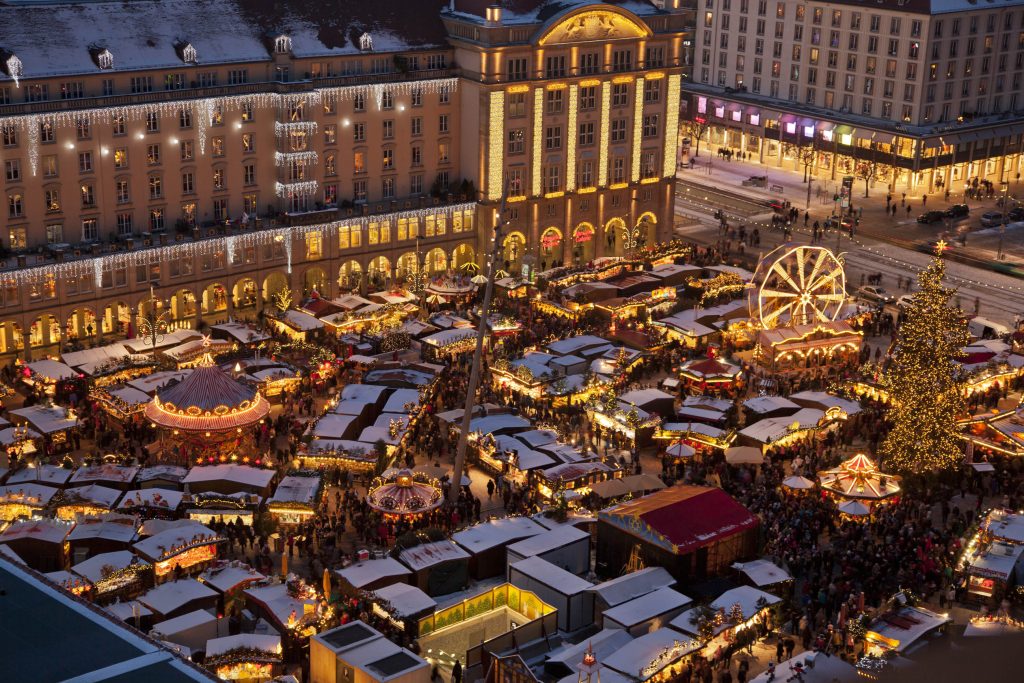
x=682, y=518
x=711, y=367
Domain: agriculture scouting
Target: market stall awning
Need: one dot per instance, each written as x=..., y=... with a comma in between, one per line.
x=744, y=455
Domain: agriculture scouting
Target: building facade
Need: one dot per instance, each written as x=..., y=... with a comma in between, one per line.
x=924, y=93
x=270, y=146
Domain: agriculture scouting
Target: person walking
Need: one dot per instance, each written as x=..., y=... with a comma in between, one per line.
x=457, y=672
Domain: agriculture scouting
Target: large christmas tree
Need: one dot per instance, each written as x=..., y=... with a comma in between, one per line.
x=923, y=379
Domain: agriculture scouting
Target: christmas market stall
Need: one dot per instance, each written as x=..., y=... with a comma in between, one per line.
x=763, y=574
x=24, y=501
x=693, y=531
x=402, y=606
x=47, y=374
x=186, y=548
x=784, y=350
x=41, y=543
x=193, y=353
x=563, y=590
x=122, y=402
x=731, y=620
x=704, y=438
x=119, y=574
x=450, y=342
x=175, y=598
x=249, y=657
x=229, y=479
x=55, y=423
x=296, y=498
x=49, y=475
x=777, y=432
x=101, y=534
x=83, y=501
x=370, y=574
x=859, y=479
x=900, y=626
x=230, y=577
x=161, y=476
x=646, y=612
x=566, y=546
x=294, y=608
x=208, y=414
x=152, y=502
x=653, y=657
x=438, y=567
x=118, y=477
x=710, y=374
x=18, y=442
x=993, y=558
x=635, y=424
x=572, y=479
x=486, y=543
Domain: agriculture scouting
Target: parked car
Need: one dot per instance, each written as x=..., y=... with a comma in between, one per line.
x=931, y=217
x=835, y=222
x=904, y=300
x=874, y=293
x=1016, y=214
x=991, y=219
x=957, y=211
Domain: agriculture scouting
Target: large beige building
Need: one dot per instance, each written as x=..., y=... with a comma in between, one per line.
x=925, y=91
x=218, y=152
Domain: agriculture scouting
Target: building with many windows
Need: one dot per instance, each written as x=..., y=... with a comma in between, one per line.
x=924, y=93
x=219, y=152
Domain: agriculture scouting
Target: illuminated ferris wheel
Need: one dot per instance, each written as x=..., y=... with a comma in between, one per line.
x=797, y=285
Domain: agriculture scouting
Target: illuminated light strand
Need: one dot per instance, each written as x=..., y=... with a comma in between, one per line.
x=538, y=122
x=95, y=266
x=284, y=129
x=638, y=116
x=303, y=188
x=606, y=101
x=671, y=131
x=496, y=146
x=570, y=158
x=304, y=158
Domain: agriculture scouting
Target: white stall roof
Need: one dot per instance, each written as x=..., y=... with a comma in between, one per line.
x=240, y=332
x=48, y=474
x=496, y=423
x=642, y=397
x=548, y=541
x=143, y=345
x=150, y=383
x=768, y=430
x=295, y=489
x=96, y=494
x=121, y=474
x=769, y=404
x=428, y=554
x=746, y=597
x=538, y=437
x=496, y=532
x=166, y=472
x=825, y=400
x=130, y=395
x=23, y=492
x=762, y=572
x=333, y=426
x=605, y=675
x=226, y=576
x=88, y=359
x=919, y=622
x=107, y=530
x=304, y=322
x=998, y=561
x=186, y=621
x=584, y=343
x=183, y=534
x=646, y=607
x=405, y=600
x=400, y=398
x=367, y=393
x=126, y=610
x=1006, y=525
x=51, y=369
x=551, y=575
x=633, y=657
x=10, y=434
x=47, y=420
x=239, y=474
x=633, y=585
x=169, y=596
x=98, y=566
x=167, y=499
x=604, y=643
x=364, y=573
x=278, y=601
x=254, y=641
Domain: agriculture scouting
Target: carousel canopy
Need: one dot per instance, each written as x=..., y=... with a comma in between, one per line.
x=208, y=399
x=710, y=369
x=859, y=478
x=405, y=494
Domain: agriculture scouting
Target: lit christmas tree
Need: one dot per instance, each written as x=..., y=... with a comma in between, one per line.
x=923, y=379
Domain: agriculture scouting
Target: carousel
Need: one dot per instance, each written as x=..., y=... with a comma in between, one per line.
x=404, y=495
x=859, y=479
x=208, y=414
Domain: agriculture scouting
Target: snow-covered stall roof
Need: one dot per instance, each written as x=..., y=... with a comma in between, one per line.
x=429, y=554
x=824, y=400
x=762, y=572
x=88, y=360
x=91, y=494
x=121, y=474
x=108, y=530
x=405, y=600
x=145, y=345
x=649, y=654
x=29, y=493
x=167, y=499
x=240, y=332
x=98, y=566
x=546, y=542
x=639, y=610
x=47, y=530
x=1006, y=525
x=773, y=428
x=364, y=573
x=769, y=404
x=228, y=575
x=47, y=420
x=150, y=383
x=633, y=585
x=51, y=475
x=158, y=545
x=551, y=575
x=172, y=595
x=496, y=532
x=238, y=474
x=295, y=489
x=51, y=370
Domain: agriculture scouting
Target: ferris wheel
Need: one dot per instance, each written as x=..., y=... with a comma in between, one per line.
x=797, y=285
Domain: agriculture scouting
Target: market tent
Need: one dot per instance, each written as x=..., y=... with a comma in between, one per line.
x=90, y=360
x=405, y=600
x=744, y=455
x=9, y=435
x=854, y=508
x=762, y=572
x=641, y=483
x=798, y=483
x=680, y=450
x=610, y=488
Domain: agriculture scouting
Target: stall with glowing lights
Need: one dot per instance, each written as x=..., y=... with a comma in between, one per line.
x=295, y=608
x=188, y=548
x=208, y=413
x=119, y=573
x=296, y=498
x=992, y=561
x=84, y=501
x=24, y=501
x=789, y=349
x=250, y=657
x=712, y=374
x=731, y=620
x=404, y=495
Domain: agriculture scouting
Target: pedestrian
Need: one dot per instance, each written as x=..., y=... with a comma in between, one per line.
x=908, y=210
x=457, y=672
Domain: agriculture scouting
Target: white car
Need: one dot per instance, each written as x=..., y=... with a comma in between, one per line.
x=904, y=300
x=875, y=294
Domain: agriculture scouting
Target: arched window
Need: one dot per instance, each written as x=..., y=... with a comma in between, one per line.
x=282, y=45
x=104, y=59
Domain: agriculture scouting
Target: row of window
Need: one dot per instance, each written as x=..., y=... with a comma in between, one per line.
x=552, y=175
x=587, y=63
x=555, y=100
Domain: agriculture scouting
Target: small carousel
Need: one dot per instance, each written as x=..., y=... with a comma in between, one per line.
x=208, y=414
x=859, y=486
x=404, y=495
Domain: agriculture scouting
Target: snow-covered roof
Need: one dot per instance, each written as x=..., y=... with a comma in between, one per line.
x=998, y=560
x=603, y=643
x=633, y=585
x=155, y=546
x=251, y=641
x=145, y=345
x=304, y=322
x=165, y=472
x=225, y=576
x=130, y=395
x=913, y=624
x=449, y=336
x=150, y=383
x=47, y=530
x=95, y=567
x=399, y=398
x=294, y=489
x=241, y=332
x=169, y=596
x=118, y=531
x=551, y=575
x=639, y=656
x=167, y=499
x=125, y=610
x=548, y=541
x=121, y=474
x=239, y=474
x=428, y=554
x=364, y=573
x=92, y=494
x=366, y=393
x=279, y=601
x=1006, y=525
x=27, y=493
x=405, y=600
x=189, y=620
x=642, y=397
x=51, y=369
x=769, y=404
x=496, y=532
x=584, y=344
x=762, y=572
x=774, y=428
x=639, y=610
x=825, y=400
x=87, y=360
x=334, y=426
x=47, y=420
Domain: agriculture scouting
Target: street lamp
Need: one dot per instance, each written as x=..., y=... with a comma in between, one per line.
x=154, y=323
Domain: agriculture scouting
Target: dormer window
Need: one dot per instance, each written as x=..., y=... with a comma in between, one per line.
x=366, y=42
x=282, y=45
x=188, y=54
x=104, y=59
x=14, y=68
